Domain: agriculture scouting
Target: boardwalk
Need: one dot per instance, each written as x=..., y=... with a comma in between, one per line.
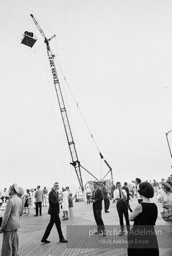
x=78, y=232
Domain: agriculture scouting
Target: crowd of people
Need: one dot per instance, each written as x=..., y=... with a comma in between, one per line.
x=19, y=202
x=144, y=215
x=36, y=198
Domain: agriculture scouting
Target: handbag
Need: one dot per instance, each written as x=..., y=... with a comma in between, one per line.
x=167, y=215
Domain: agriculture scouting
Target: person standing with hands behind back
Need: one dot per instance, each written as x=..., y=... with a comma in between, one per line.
x=70, y=200
x=38, y=203
x=54, y=211
x=10, y=223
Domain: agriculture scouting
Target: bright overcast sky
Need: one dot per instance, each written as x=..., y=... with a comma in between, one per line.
x=117, y=59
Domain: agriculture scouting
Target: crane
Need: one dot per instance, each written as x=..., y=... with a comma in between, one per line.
x=72, y=148
x=29, y=40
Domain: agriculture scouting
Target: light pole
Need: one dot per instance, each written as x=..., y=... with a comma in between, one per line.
x=168, y=142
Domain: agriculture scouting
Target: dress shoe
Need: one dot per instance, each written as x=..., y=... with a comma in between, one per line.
x=45, y=241
x=63, y=241
x=106, y=211
x=35, y=215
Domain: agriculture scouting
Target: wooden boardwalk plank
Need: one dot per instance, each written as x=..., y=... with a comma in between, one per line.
x=32, y=229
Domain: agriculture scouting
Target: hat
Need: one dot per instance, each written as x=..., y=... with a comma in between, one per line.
x=15, y=188
x=166, y=184
x=56, y=184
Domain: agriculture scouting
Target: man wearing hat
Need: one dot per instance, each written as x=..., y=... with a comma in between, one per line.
x=54, y=211
x=10, y=223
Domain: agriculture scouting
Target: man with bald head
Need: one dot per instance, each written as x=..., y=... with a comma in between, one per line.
x=54, y=211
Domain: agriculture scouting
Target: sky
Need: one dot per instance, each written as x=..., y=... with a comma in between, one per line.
x=114, y=62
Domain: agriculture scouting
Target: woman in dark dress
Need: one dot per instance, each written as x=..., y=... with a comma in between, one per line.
x=142, y=240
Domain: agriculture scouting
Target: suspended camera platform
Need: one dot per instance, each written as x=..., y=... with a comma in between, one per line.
x=28, y=39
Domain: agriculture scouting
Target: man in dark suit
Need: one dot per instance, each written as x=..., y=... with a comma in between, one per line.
x=137, y=182
x=125, y=187
x=97, y=208
x=54, y=211
x=106, y=197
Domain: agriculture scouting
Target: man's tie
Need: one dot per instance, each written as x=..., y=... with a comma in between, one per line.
x=120, y=193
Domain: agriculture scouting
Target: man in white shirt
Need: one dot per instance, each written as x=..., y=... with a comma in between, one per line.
x=120, y=196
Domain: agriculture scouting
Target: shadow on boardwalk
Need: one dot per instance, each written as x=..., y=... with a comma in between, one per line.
x=77, y=231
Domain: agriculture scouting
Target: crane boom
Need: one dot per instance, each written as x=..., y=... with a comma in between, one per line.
x=75, y=161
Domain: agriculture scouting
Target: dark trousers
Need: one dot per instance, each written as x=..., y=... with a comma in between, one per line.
x=98, y=219
x=54, y=218
x=122, y=209
x=106, y=203
x=38, y=206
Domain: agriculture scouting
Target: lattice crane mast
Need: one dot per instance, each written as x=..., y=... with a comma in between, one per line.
x=75, y=161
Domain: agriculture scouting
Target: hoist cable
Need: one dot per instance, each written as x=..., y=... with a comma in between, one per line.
x=100, y=154
x=77, y=105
